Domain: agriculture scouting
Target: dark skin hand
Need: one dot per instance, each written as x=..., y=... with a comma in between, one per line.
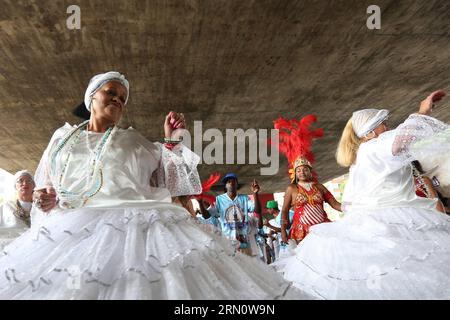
x=203, y=210
x=255, y=190
x=47, y=198
x=172, y=123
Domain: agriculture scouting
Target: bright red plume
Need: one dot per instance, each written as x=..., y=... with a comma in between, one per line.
x=296, y=137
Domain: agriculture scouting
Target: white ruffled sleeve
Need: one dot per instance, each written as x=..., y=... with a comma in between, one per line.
x=178, y=171
x=417, y=138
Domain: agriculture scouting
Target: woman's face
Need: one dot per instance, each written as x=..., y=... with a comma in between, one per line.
x=383, y=127
x=303, y=173
x=25, y=186
x=109, y=101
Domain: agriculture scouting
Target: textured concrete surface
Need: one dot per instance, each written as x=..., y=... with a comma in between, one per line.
x=229, y=63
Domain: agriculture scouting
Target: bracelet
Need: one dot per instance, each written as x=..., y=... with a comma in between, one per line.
x=173, y=141
x=169, y=146
x=37, y=202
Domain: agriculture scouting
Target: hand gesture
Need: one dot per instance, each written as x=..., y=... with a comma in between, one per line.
x=173, y=122
x=427, y=105
x=45, y=199
x=255, y=186
x=284, y=236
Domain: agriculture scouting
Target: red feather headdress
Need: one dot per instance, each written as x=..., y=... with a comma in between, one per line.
x=295, y=140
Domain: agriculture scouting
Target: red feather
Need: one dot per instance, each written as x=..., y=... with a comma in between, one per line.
x=296, y=137
x=213, y=178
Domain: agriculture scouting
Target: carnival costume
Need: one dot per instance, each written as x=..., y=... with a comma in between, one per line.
x=296, y=138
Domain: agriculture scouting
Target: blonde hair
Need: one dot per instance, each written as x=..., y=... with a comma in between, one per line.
x=348, y=146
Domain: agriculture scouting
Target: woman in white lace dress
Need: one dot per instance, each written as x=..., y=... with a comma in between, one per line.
x=105, y=231
x=391, y=244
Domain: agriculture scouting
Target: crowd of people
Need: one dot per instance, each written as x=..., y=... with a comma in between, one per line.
x=127, y=215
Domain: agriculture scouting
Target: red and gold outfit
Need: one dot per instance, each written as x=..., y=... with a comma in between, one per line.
x=421, y=189
x=309, y=211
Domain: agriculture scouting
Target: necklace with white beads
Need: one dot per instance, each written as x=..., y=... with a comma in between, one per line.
x=69, y=198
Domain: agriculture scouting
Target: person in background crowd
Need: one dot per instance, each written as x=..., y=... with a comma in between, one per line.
x=307, y=197
x=15, y=215
x=273, y=229
x=240, y=218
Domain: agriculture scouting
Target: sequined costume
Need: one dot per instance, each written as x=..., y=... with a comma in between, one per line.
x=309, y=210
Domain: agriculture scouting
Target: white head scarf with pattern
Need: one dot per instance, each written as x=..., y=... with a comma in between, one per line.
x=364, y=121
x=99, y=80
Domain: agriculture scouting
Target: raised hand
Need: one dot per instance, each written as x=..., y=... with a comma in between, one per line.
x=427, y=105
x=45, y=199
x=255, y=186
x=173, y=122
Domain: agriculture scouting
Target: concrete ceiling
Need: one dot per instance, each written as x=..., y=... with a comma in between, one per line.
x=228, y=63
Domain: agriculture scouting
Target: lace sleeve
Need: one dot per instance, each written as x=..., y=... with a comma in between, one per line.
x=420, y=135
x=177, y=171
x=417, y=138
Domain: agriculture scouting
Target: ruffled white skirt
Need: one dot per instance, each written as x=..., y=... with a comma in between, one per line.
x=391, y=253
x=148, y=253
x=8, y=235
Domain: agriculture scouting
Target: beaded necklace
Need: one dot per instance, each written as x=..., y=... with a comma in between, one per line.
x=22, y=214
x=69, y=198
x=306, y=185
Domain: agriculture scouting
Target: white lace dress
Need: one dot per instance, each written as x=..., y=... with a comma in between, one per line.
x=390, y=244
x=128, y=241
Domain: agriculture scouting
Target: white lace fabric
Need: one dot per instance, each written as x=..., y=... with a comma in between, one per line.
x=178, y=171
x=420, y=136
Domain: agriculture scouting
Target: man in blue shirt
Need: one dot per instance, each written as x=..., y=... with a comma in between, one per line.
x=240, y=219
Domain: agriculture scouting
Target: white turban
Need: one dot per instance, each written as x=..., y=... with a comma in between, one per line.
x=22, y=173
x=364, y=121
x=99, y=80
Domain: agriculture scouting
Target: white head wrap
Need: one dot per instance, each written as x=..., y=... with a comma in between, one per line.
x=22, y=173
x=364, y=121
x=99, y=80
